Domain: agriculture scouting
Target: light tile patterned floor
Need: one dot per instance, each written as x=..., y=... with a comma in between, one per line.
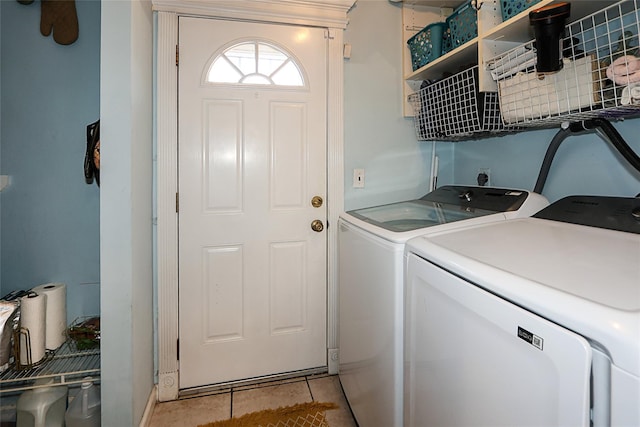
x=193, y=411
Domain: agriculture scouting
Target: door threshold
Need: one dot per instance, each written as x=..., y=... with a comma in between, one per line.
x=248, y=382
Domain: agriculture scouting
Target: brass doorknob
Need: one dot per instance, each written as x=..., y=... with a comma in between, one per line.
x=316, y=225
x=316, y=201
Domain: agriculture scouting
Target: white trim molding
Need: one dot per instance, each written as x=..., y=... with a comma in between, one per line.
x=335, y=186
x=330, y=14
x=316, y=13
x=167, y=188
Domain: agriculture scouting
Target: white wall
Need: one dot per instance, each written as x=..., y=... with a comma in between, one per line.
x=125, y=211
x=378, y=138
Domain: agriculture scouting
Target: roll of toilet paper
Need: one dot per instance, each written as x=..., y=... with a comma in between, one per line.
x=56, y=313
x=32, y=328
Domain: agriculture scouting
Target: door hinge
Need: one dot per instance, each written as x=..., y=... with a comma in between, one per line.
x=329, y=33
x=177, y=55
x=177, y=202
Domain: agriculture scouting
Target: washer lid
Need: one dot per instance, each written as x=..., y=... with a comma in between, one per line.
x=584, y=278
x=447, y=204
x=414, y=214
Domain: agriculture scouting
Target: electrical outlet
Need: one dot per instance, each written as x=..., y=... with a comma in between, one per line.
x=484, y=177
x=358, y=178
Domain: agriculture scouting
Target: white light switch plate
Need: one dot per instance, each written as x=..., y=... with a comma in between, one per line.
x=358, y=178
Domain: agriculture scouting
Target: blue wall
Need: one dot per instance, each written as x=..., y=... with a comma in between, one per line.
x=126, y=101
x=49, y=215
x=584, y=164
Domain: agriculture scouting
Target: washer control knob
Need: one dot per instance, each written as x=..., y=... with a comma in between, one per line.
x=466, y=195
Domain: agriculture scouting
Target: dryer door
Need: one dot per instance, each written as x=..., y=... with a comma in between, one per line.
x=473, y=358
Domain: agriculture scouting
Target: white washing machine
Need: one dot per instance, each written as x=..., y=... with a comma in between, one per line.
x=371, y=245
x=527, y=322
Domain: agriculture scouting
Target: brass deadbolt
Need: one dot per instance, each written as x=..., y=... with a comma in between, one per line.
x=316, y=201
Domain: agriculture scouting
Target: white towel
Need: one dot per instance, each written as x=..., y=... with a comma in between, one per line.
x=631, y=94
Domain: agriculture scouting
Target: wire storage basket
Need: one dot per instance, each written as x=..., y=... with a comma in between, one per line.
x=453, y=109
x=66, y=365
x=600, y=76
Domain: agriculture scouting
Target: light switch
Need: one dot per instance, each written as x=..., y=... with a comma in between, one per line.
x=358, y=178
x=346, y=51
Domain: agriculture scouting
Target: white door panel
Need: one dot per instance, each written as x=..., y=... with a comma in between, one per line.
x=222, y=177
x=252, y=271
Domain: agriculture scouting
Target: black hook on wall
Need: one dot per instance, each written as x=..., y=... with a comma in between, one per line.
x=92, y=155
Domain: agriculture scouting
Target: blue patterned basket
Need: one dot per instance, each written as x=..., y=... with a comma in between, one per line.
x=463, y=23
x=446, y=41
x=511, y=8
x=427, y=44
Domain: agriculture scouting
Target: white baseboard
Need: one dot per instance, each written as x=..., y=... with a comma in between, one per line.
x=148, y=410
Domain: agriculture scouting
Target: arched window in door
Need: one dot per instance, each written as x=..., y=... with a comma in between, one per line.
x=255, y=63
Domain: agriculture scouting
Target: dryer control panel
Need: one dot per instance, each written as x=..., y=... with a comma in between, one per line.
x=612, y=213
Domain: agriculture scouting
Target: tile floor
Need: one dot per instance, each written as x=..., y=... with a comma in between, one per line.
x=237, y=401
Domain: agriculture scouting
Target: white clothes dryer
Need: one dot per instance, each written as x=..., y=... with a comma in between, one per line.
x=371, y=246
x=527, y=322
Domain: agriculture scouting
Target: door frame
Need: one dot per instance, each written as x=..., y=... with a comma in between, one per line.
x=329, y=14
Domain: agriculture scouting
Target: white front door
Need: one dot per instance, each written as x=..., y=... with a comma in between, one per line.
x=252, y=155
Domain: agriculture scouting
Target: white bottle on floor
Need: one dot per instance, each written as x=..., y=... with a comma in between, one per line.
x=84, y=410
x=42, y=407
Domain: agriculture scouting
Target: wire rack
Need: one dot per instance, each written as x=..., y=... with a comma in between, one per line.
x=600, y=75
x=66, y=365
x=452, y=109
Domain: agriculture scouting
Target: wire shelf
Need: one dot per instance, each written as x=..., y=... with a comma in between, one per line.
x=453, y=109
x=600, y=75
x=66, y=365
